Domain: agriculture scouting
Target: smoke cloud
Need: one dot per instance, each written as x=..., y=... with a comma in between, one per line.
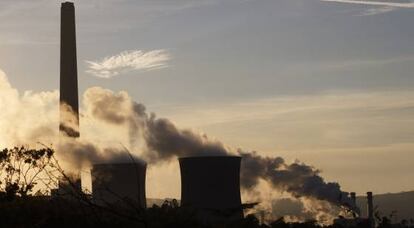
x=298, y=179
x=27, y=117
x=79, y=154
x=164, y=141
x=33, y=117
x=300, y=210
x=117, y=109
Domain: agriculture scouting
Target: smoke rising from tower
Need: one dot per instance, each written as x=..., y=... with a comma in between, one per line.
x=165, y=141
x=105, y=112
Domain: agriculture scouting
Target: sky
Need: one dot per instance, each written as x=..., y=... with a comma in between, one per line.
x=327, y=82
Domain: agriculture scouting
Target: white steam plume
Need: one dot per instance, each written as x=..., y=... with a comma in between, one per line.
x=164, y=141
x=33, y=117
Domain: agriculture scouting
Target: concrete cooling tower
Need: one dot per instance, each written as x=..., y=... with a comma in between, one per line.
x=211, y=185
x=118, y=183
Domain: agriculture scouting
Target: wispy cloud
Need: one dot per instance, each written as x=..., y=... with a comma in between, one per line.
x=126, y=61
x=398, y=4
x=378, y=10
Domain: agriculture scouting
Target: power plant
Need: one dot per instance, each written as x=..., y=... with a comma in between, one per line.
x=211, y=185
x=112, y=183
x=69, y=103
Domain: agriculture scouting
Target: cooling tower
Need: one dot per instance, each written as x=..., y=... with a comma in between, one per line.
x=69, y=107
x=119, y=183
x=69, y=189
x=211, y=185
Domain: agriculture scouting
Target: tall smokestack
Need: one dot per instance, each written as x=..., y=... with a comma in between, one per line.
x=355, y=209
x=370, y=207
x=69, y=123
x=353, y=198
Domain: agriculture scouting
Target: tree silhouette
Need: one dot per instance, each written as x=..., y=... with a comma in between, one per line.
x=21, y=169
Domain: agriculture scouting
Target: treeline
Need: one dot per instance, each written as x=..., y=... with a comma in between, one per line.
x=41, y=211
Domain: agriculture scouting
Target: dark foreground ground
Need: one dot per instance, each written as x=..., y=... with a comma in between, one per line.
x=61, y=212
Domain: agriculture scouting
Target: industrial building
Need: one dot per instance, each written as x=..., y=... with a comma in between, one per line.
x=119, y=183
x=359, y=221
x=211, y=186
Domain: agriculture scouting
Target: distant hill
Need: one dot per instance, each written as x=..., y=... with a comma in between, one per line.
x=402, y=203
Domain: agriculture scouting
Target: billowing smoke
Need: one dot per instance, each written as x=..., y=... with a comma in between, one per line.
x=33, y=117
x=27, y=117
x=300, y=210
x=81, y=153
x=307, y=209
x=165, y=141
x=118, y=109
x=299, y=179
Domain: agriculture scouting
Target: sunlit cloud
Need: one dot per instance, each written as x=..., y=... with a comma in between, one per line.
x=127, y=61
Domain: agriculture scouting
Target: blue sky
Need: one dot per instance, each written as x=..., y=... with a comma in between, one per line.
x=326, y=82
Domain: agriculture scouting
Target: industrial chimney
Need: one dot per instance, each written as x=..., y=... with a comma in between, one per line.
x=353, y=198
x=370, y=206
x=119, y=183
x=69, y=107
x=211, y=186
x=355, y=209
